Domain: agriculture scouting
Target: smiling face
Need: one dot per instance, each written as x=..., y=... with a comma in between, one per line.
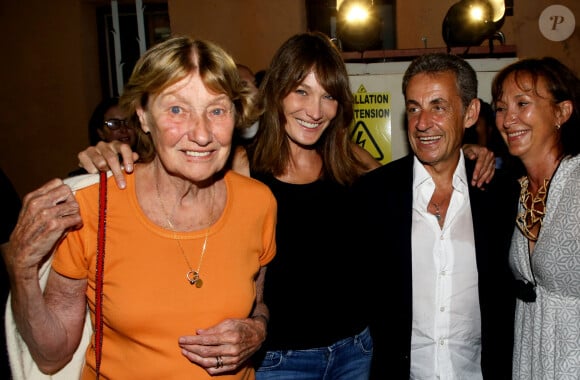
x=308, y=110
x=436, y=117
x=191, y=128
x=527, y=117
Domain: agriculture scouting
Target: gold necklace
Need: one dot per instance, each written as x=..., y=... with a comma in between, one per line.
x=534, y=208
x=192, y=275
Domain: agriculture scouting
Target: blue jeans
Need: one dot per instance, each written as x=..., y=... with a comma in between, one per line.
x=347, y=359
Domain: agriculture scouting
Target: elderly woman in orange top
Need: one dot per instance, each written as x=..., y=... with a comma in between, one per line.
x=186, y=245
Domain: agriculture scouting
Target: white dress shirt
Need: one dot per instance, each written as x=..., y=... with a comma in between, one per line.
x=446, y=334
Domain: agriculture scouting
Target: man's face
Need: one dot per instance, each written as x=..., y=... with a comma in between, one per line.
x=436, y=118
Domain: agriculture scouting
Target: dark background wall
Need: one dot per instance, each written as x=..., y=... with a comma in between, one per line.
x=50, y=71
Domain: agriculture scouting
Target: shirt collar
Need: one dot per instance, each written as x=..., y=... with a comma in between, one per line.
x=421, y=175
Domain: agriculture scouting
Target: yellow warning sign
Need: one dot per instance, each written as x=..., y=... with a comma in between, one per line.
x=371, y=128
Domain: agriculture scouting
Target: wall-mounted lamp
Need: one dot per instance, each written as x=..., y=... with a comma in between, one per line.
x=358, y=26
x=471, y=22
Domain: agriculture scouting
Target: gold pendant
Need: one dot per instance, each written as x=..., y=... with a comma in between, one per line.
x=193, y=277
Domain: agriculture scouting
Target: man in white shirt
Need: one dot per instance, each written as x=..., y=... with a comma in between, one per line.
x=446, y=286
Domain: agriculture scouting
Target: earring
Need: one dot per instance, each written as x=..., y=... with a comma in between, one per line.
x=557, y=127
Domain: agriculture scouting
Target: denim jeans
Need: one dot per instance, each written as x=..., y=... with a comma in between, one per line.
x=347, y=359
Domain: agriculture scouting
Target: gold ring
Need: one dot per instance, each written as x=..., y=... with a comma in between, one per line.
x=219, y=362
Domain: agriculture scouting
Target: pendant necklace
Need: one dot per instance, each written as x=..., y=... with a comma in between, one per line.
x=192, y=275
x=437, y=213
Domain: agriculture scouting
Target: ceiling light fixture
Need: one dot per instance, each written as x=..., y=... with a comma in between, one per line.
x=358, y=25
x=471, y=22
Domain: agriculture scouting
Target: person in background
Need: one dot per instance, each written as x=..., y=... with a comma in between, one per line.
x=108, y=123
x=242, y=137
x=480, y=132
x=259, y=76
x=245, y=136
x=247, y=77
x=187, y=243
x=538, y=115
x=443, y=302
x=304, y=154
x=11, y=205
x=485, y=133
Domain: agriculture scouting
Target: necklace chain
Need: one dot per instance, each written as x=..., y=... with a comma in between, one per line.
x=192, y=275
x=534, y=208
x=437, y=207
x=437, y=211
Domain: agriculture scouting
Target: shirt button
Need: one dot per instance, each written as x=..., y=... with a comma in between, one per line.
x=441, y=341
x=442, y=308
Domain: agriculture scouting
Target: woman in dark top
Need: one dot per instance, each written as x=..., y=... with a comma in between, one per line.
x=304, y=154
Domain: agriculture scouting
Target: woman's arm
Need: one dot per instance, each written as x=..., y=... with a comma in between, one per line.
x=51, y=324
x=484, y=166
x=107, y=156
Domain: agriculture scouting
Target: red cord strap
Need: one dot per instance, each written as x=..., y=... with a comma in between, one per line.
x=99, y=273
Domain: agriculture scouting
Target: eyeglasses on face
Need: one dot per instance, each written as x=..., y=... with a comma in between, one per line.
x=114, y=124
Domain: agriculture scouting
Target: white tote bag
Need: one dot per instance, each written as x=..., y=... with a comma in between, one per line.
x=22, y=365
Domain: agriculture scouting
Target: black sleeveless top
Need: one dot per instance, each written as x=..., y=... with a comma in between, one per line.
x=315, y=285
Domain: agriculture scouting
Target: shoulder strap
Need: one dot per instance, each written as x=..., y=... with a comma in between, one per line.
x=100, y=268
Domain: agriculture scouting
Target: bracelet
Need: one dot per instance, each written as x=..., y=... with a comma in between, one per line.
x=266, y=319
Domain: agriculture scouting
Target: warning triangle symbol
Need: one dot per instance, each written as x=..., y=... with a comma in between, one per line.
x=362, y=89
x=361, y=136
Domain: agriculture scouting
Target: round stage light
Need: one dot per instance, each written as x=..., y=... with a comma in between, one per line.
x=358, y=26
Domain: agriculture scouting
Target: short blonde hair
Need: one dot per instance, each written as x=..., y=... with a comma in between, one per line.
x=172, y=60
